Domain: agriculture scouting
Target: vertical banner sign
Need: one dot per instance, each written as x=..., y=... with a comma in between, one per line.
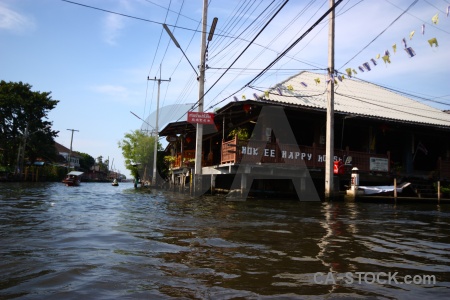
x=200, y=117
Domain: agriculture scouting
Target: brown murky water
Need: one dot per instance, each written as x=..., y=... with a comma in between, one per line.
x=102, y=242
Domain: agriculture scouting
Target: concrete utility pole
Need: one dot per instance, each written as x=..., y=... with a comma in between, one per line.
x=201, y=94
x=329, y=152
x=155, y=150
x=21, y=153
x=71, y=140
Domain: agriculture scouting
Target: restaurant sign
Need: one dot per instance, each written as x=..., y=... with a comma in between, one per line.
x=200, y=117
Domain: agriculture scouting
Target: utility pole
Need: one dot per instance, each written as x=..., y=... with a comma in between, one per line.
x=201, y=94
x=155, y=150
x=71, y=140
x=329, y=151
x=21, y=153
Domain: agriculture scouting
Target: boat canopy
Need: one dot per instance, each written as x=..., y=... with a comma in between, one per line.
x=75, y=173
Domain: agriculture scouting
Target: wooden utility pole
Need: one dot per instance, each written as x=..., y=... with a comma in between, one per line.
x=71, y=140
x=155, y=150
x=329, y=186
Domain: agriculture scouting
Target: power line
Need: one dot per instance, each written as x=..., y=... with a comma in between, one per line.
x=285, y=2
x=392, y=23
x=284, y=52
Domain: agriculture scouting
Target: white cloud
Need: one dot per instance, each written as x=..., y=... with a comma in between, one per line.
x=113, y=24
x=118, y=94
x=14, y=21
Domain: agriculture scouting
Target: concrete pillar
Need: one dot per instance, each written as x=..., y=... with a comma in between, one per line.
x=243, y=184
x=213, y=184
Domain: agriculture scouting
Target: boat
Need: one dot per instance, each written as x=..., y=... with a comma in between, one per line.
x=115, y=182
x=383, y=189
x=73, y=178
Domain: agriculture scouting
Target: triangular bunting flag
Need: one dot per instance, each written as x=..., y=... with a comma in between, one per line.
x=433, y=41
x=367, y=66
x=317, y=80
x=349, y=72
x=435, y=19
x=290, y=88
x=423, y=29
x=394, y=47
x=411, y=34
x=373, y=61
x=410, y=52
x=386, y=59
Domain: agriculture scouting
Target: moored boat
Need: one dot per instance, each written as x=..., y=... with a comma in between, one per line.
x=383, y=189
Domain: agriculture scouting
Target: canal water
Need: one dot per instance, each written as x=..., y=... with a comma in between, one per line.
x=97, y=241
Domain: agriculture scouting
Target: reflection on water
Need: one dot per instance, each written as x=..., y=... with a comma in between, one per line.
x=102, y=242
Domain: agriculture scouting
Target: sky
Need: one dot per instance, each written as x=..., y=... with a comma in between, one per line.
x=96, y=56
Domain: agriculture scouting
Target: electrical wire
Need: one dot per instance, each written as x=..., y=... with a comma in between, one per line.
x=392, y=23
x=284, y=53
x=421, y=20
x=271, y=19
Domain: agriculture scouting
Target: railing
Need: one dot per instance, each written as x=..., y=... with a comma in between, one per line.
x=181, y=161
x=236, y=151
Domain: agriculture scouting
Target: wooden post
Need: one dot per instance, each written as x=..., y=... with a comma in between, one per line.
x=395, y=189
x=439, y=190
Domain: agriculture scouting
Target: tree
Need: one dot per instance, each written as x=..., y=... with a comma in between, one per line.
x=23, y=122
x=103, y=166
x=86, y=161
x=137, y=149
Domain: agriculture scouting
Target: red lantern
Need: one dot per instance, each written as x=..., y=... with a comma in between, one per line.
x=188, y=139
x=246, y=107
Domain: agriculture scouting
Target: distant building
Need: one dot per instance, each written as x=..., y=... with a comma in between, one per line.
x=65, y=152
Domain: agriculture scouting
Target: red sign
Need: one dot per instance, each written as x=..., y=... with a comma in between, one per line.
x=200, y=117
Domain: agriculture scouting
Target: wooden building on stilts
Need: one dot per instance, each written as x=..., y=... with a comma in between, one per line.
x=274, y=144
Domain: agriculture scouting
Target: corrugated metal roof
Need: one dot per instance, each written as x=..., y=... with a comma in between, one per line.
x=357, y=98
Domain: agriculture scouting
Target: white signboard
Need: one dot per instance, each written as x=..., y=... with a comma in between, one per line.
x=379, y=164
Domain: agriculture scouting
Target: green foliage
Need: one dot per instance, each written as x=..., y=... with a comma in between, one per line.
x=103, y=166
x=242, y=133
x=137, y=149
x=169, y=158
x=54, y=173
x=445, y=187
x=86, y=161
x=23, y=120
